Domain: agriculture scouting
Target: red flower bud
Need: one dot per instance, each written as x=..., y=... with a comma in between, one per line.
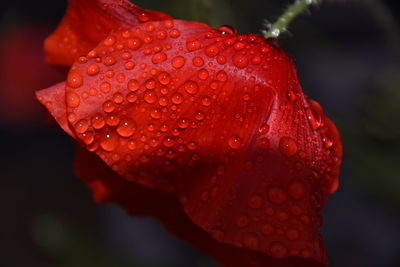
x=217, y=119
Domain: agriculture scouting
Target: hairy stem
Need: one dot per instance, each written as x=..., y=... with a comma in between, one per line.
x=290, y=13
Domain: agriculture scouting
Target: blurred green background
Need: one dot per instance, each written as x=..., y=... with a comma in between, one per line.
x=347, y=55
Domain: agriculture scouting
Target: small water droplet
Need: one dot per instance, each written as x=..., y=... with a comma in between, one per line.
x=126, y=128
x=240, y=61
x=235, y=142
x=278, y=250
x=74, y=80
x=178, y=62
x=276, y=194
x=296, y=189
x=267, y=229
x=81, y=126
x=159, y=57
x=73, y=99
x=212, y=51
x=227, y=29
x=255, y=201
x=287, y=146
x=109, y=141
x=243, y=221
x=98, y=121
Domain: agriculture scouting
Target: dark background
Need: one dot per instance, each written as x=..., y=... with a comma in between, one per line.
x=348, y=58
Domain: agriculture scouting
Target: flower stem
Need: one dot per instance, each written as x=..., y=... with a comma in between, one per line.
x=283, y=21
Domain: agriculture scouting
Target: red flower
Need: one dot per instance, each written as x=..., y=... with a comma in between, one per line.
x=177, y=110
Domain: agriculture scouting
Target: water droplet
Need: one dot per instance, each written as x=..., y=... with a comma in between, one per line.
x=174, y=33
x=105, y=87
x=227, y=29
x=73, y=100
x=243, y=221
x=267, y=229
x=282, y=216
x=240, y=61
x=276, y=195
x=198, y=61
x=159, y=57
x=149, y=96
x=134, y=43
x=212, y=51
x=328, y=143
x=177, y=98
x=291, y=96
x=98, y=121
x=191, y=87
x=221, y=59
x=296, y=189
x=109, y=61
x=133, y=85
x=235, y=142
x=255, y=201
x=164, y=78
x=264, y=129
x=109, y=41
x=263, y=143
x=278, y=250
x=93, y=69
x=183, y=123
x=150, y=84
x=118, y=98
x=168, y=141
x=161, y=34
x=178, y=62
x=87, y=137
x=292, y=234
x=74, y=80
x=109, y=141
x=163, y=101
x=81, y=126
x=218, y=234
x=287, y=146
x=131, y=97
x=222, y=76
x=206, y=101
x=256, y=60
x=199, y=115
x=202, y=74
x=193, y=44
x=155, y=114
x=126, y=128
x=250, y=241
x=112, y=120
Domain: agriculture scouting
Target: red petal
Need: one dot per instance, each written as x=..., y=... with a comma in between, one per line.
x=107, y=186
x=87, y=22
x=53, y=98
x=218, y=118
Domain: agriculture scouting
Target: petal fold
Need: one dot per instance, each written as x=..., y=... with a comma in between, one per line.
x=87, y=22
